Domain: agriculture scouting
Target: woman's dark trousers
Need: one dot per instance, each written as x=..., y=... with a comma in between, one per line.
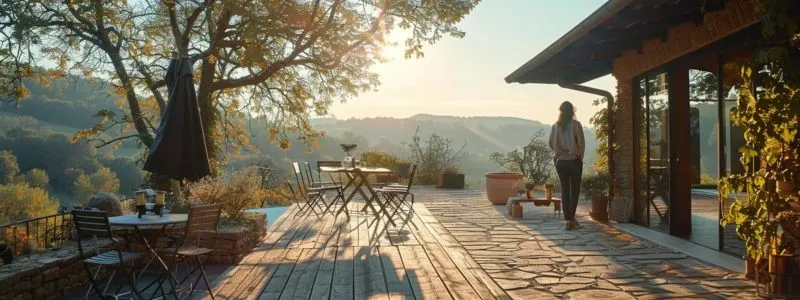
x=569, y=173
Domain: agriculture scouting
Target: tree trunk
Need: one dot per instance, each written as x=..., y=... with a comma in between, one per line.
x=208, y=113
x=133, y=102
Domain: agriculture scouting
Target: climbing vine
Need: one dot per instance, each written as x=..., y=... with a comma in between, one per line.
x=768, y=109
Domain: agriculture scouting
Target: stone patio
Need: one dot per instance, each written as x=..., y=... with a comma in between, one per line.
x=535, y=258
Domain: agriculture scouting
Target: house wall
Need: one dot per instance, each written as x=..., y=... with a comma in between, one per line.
x=681, y=40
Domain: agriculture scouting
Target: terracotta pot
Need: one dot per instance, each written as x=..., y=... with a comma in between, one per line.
x=749, y=267
x=516, y=210
x=529, y=194
x=599, y=208
x=786, y=187
x=783, y=270
x=500, y=186
x=548, y=191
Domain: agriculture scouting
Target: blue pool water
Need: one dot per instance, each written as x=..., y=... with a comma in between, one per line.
x=273, y=213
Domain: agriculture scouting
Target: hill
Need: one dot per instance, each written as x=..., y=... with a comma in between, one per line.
x=65, y=107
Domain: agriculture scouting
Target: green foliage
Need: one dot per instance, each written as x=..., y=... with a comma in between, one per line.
x=9, y=167
x=600, y=123
x=770, y=115
x=38, y=178
x=534, y=160
x=21, y=201
x=129, y=173
x=379, y=159
x=289, y=59
x=596, y=184
x=85, y=186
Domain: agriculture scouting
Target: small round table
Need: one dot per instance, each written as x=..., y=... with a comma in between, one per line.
x=134, y=221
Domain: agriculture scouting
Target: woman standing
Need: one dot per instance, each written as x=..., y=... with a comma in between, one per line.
x=566, y=140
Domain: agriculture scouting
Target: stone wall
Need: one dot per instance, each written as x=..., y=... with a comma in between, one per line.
x=231, y=244
x=60, y=274
x=49, y=275
x=681, y=40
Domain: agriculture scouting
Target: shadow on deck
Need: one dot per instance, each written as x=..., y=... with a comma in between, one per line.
x=338, y=258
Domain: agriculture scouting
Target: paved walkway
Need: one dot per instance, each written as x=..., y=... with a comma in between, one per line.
x=535, y=258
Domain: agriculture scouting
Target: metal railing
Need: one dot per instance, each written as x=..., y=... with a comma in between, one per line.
x=37, y=234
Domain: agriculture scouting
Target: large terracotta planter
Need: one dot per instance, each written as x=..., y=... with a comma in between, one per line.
x=500, y=186
x=783, y=270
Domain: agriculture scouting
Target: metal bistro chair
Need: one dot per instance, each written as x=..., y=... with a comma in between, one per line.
x=314, y=195
x=202, y=219
x=94, y=224
x=398, y=196
x=305, y=201
x=326, y=186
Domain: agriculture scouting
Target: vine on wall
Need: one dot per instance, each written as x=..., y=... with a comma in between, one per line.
x=768, y=109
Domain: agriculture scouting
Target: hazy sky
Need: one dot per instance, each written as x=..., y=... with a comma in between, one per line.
x=464, y=77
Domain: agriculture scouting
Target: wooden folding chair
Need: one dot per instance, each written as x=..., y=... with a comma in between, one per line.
x=202, y=219
x=94, y=225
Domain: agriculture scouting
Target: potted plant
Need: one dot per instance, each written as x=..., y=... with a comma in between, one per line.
x=529, y=187
x=451, y=178
x=596, y=186
x=548, y=190
x=348, y=160
x=403, y=168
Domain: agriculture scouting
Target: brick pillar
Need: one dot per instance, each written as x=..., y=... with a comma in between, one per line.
x=621, y=208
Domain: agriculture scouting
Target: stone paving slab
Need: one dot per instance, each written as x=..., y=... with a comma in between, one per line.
x=535, y=258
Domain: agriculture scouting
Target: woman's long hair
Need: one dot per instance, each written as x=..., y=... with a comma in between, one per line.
x=566, y=114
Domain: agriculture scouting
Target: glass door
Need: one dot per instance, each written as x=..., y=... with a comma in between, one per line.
x=657, y=150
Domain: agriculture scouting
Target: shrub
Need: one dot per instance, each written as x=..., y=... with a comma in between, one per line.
x=379, y=159
x=433, y=156
x=596, y=184
x=534, y=160
x=239, y=191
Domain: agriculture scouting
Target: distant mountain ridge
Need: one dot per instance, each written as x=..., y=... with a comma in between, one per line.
x=483, y=135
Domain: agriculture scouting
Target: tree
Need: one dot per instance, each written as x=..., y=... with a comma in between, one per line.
x=38, y=178
x=85, y=186
x=21, y=201
x=130, y=175
x=433, y=156
x=534, y=160
x=282, y=59
x=9, y=168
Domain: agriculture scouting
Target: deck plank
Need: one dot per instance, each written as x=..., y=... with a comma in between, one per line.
x=397, y=283
x=368, y=281
x=277, y=283
x=303, y=274
x=421, y=275
x=324, y=281
x=330, y=257
x=343, y=274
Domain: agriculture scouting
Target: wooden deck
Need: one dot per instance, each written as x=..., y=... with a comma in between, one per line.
x=337, y=258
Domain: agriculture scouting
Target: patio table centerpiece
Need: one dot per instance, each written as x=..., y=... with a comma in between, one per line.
x=348, y=160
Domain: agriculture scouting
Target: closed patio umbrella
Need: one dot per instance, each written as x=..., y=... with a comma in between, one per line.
x=179, y=149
